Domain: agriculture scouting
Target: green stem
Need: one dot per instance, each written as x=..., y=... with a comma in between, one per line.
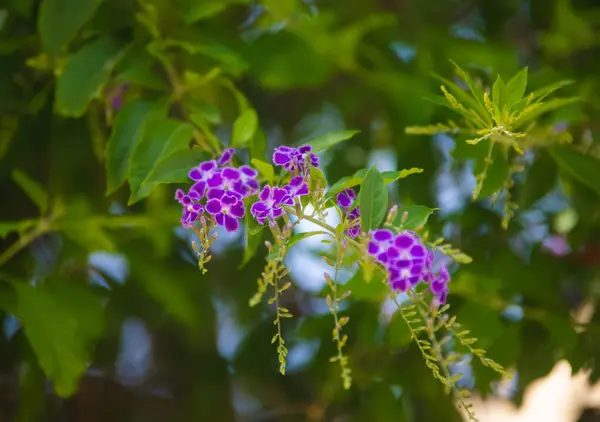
x=24, y=241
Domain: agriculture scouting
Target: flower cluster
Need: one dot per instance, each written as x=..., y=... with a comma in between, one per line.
x=272, y=199
x=223, y=187
x=345, y=200
x=407, y=261
x=295, y=160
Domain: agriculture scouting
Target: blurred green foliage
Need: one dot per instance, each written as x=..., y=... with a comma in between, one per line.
x=105, y=104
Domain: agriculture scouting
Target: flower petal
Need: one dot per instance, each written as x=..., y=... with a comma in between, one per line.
x=208, y=166
x=281, y=159
x=265, y=193
x=195, y=174
x=213, y=206
x=237, y=210
x=248, y=171
x=231, y=224
x=226, y=156
x=382, y=235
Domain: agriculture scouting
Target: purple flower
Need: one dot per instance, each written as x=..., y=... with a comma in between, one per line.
x=556, y=245
x=225, y=180
x=226, y=156
x=272, y=199
x=297, y=187
x=407, y=261
x=295, y=159
x=191, y=210
x=345, y=198
x=439, y=285
x=354, y=229
x=202, y=174
x=226, y=210
x=247, y=185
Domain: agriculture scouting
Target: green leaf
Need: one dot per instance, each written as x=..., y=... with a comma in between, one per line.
x=398, y=332
x=301, y=236
x=201, y=121
x=582, y=167
x=484, y=323
x=373, y=290
x=161, y=138
x=373, y=200
x=193, y=11
x=126, y=134
x=174, y=296
x=392, y=176
x=546, y=107
x=90, y=235
x=258, y=146
x=60, y=322
x=541, y=178
x=515, y=87
x=85, y=74
x=253, y=241
x=230, y=61
x=136, y=67
x=244, y=128
x=540, y=94
x=357, y=178
x=417, y=215
x=33, y=189
x=499, y=95
x=8, y=227
x=265, y=169
x=497, y=173
x=330, y=139
x=60, y=20
x=475, y=91
x=175, y=167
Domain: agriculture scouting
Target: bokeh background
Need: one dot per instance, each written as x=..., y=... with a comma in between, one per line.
x=169, y=343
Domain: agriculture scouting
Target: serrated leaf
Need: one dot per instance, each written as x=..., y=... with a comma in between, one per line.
x=373, y=200
x=515, y=87
x=60, y=324
x=161, y=138
x=265, y=169
x=418, y=215
x=126, y=133
x=545, y=107
x=32, y=189
x=584, y=168
x=244, y=128
x=475, y=91
x=60, y=20
x=540, y=94
x=85, y=74
x=466, y=100
x=330, y=139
